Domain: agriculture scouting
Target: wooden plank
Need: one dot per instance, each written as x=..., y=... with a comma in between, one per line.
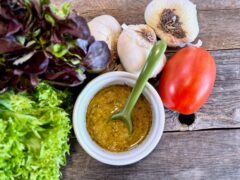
x=216, y=4
x=184, y=155
x=128, y=4
x=222, y=110
x=219, y=27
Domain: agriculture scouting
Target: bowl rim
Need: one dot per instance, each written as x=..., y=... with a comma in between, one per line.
x=117, y=158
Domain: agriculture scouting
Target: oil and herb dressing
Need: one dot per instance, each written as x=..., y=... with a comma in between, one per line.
x=114, y=135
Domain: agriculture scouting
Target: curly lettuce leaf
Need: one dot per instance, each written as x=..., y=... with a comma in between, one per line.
x=34, y=131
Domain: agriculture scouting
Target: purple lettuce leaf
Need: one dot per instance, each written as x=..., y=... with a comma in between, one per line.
x=74, y=26
x=97, y=57
x=37, y=64
x=62, y=74
x=9, y=45
x=8, y=27
x=38, y=41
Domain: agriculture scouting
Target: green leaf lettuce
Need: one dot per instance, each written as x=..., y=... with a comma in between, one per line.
x=34, y=131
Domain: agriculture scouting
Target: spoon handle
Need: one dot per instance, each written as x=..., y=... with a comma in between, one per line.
x=155, y=55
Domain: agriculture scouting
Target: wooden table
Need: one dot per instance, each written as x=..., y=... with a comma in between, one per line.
x=208, y=149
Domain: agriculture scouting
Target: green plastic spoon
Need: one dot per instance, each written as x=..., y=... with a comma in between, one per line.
x=154, y=57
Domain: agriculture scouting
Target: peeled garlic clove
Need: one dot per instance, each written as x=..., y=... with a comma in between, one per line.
x=174, y=21
x=106, y=28
x=134, y=46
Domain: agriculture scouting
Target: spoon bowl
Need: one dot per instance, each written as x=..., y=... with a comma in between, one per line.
x=117, y=158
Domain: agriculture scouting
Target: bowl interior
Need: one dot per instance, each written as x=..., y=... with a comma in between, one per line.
x=117, y=158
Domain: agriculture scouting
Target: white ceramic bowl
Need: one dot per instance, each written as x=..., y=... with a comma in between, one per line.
x=94, y=150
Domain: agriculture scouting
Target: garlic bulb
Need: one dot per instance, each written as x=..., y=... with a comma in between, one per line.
x=134, y=46
x=174, y=21
x=106, y=28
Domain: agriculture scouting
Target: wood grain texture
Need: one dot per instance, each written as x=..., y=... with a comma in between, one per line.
x=219, y=20
x=182, y=155
x=125, y=4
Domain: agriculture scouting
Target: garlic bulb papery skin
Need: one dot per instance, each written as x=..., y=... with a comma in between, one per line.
x=107, y=28
x=174, y=21
x=134, y=45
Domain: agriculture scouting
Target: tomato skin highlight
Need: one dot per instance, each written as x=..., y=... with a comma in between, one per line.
x=187, y=80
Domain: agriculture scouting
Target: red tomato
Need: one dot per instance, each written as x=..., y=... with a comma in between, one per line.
x=187, y=80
